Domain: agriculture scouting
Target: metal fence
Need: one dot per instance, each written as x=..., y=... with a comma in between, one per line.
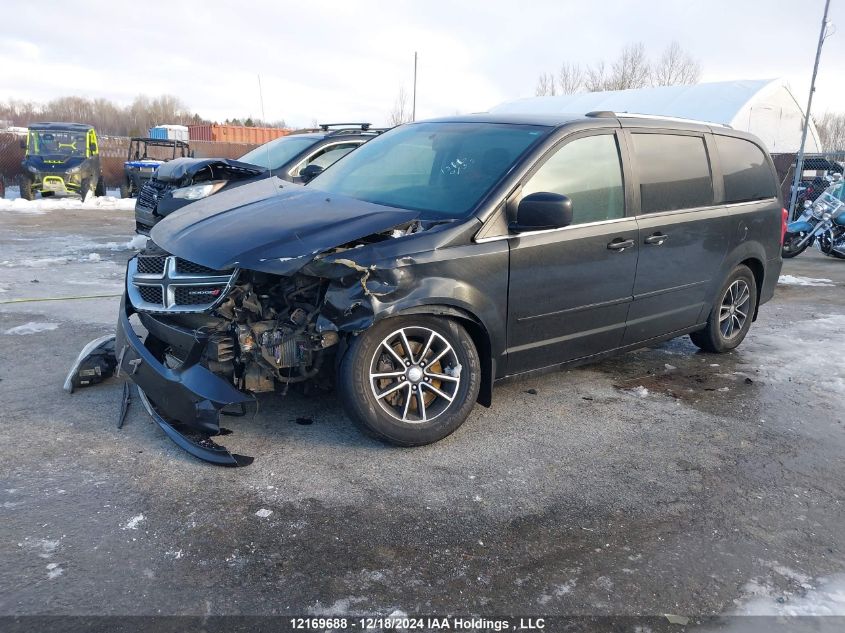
x=814, y=169
x=113, y=152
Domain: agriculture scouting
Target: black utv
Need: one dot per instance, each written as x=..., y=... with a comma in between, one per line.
x=61, y=159
x=145, y=156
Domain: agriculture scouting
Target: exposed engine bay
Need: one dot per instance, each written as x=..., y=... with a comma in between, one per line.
x=265, y=332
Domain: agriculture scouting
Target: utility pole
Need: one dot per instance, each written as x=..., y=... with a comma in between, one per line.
x=414, y=100
x=799, y=162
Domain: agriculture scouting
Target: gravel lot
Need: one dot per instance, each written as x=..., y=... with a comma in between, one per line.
x=663, y=481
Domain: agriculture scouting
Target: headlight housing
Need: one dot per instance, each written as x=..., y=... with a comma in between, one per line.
x=196, y=192
x=73, y=170
x=34, y=170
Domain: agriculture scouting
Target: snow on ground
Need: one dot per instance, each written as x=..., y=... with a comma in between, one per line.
x=824, y=597
x=44, y=205
x=13, y=192
x=32, y=327
x=801, y=353
x=132, y=524
x=791, y=280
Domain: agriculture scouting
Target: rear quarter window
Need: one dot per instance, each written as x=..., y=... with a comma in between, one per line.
x=746, y=171
x=674, y=172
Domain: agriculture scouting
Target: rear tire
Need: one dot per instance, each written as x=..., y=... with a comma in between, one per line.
x=100, y=189
x=410, y=380
x=124, y=190
x=730, y=319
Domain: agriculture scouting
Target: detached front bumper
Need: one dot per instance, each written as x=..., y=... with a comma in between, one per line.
x=186, y=402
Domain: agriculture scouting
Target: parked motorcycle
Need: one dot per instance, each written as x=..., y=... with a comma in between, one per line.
x=822, y=221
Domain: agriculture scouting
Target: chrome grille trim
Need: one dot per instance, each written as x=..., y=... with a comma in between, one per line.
x=169, y=280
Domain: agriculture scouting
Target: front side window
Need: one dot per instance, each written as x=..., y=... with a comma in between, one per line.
x=587, y=170
x=674, y=172
x=326, y=157
x=746, y=171
x=441, y=169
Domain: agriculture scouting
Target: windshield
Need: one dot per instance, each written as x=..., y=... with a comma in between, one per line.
x=54, y=143
x=276, y=153
x=440, y=169
x=838, y=191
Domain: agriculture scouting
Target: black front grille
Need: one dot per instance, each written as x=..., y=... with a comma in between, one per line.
x=151, y=265
x=185, y=267
x=196, y=295
x=150, y=192
x=151, y=294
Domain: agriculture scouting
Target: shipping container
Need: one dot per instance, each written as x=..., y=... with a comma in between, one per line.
x=235, y=133
x=172, y=132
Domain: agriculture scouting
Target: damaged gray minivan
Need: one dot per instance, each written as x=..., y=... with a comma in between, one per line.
x=444, y=255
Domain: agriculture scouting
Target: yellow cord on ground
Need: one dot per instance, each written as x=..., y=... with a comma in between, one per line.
x=61, y=298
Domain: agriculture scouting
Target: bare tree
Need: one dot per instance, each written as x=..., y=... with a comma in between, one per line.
x=631, y=69
x=401, y=113
x=676, y=66
x=545, y=86
x=109, y=118
x=596, y=80
x=570, y=78
x=831, y=128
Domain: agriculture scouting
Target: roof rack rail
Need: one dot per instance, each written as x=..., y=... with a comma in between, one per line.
x=604, y=114
x=363, y=126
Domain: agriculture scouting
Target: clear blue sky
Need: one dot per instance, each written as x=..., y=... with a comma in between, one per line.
x=346, y=60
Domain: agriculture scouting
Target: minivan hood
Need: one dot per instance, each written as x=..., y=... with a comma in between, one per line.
x=279, y=233
x=181, y=170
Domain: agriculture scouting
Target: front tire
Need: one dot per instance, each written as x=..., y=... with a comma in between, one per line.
x=25, y=185
x=410, y=380
x=730, y=319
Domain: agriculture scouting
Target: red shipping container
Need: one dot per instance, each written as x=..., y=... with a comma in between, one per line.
x=235, y=133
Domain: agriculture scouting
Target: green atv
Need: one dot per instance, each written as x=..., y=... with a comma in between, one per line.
x=61, y=159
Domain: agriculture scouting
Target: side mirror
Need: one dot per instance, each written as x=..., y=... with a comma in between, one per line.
x=23, y=143
x=309, y=172
x=542, y=210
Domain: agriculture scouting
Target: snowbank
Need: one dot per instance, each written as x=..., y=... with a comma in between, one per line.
x=45, y=205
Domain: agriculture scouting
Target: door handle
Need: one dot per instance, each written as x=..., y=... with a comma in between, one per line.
x=620, y=245
x=657, y=239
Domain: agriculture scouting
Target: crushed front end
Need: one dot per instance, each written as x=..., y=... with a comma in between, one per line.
x=200, y=342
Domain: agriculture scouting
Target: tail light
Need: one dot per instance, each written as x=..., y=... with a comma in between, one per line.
x=784, y=220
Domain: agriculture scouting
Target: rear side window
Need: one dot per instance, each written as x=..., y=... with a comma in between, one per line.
x=674, y=172
x=746, y=171
x=589, y=172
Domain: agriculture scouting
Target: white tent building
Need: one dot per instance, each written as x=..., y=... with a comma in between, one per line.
x=764, y=107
